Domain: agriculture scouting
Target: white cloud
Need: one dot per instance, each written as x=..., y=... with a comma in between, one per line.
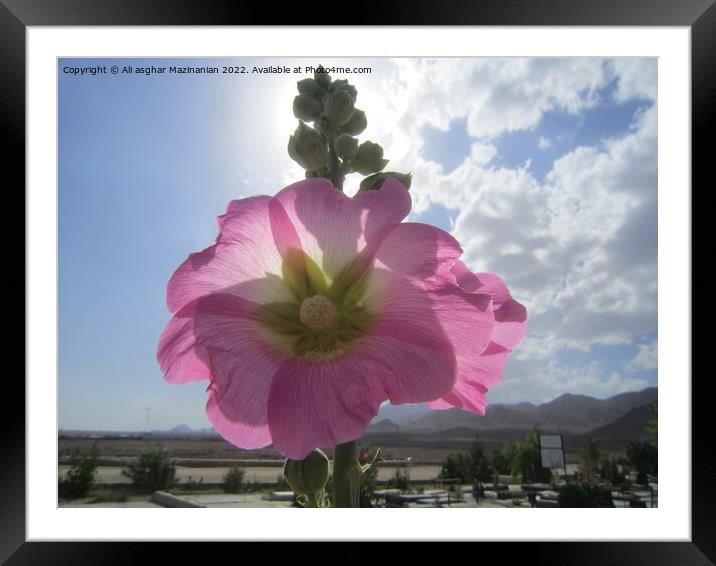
x=636, y=78
x=544, y=143
x=539, y=381
x=579, y=248
x=646, y=358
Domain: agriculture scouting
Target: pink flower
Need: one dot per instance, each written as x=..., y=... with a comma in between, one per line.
x=312, y=308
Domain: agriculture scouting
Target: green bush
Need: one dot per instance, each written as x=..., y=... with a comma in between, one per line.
x=584, y=495
x=80, y=477
x=400, y=480
x=527, y=461
x=644, y=458
x=234, y=480
x=152, y=471
x=369, y=480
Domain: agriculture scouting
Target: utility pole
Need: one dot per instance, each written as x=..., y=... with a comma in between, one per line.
x=146, y=421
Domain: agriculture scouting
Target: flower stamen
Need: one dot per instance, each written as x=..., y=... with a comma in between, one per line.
x=317, y=312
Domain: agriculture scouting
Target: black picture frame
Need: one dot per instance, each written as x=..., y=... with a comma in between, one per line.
x=698, y=15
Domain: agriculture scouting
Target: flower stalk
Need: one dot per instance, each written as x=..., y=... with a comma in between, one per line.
x=347, y=473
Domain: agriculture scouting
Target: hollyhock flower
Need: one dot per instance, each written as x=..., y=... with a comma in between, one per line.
x=312, y=308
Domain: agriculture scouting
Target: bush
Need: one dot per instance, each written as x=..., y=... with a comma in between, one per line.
x=369, y=481
x=584, y=495
x=400, y=480
x=644, y=458
x=234, y=480
x=80, y=477
x=151, y=472
x=457, y=466
x=527, y=461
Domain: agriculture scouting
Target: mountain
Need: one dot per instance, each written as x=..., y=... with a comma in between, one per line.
x=618, y=433
x=567, y=414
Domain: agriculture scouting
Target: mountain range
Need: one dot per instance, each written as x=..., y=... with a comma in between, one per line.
x=568, y=414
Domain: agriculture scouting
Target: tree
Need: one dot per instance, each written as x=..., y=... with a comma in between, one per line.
x=527, y=461
x=482, y=470
x=457, y=466
x=652, y=426
x=644, y=458
x=590, y=459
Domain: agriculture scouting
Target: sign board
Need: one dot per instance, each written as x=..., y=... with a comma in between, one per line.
x=552, y=451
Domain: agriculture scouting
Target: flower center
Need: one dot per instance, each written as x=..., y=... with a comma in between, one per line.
x=317, y=312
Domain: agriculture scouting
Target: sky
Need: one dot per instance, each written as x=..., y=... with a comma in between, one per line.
x=544, y=169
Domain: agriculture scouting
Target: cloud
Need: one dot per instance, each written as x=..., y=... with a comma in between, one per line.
x=646, y=358
x=578, y=248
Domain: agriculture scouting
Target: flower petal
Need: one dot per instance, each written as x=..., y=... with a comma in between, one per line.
x=419, y=251
x=334, y=228
x=255, y=235
x=321, y=404
x=219, y=332
x=510, y=316
x=474, y=377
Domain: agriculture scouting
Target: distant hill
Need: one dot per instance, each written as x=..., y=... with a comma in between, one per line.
x=618, y=433
x=567, y=414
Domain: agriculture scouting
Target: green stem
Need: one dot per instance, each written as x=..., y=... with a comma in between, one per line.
x=334, y=167
x=346, y=475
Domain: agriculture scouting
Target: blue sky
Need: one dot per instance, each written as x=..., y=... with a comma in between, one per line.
x=545, y=171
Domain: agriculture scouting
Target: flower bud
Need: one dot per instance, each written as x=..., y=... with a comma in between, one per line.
x=375, y=181
x=356, y=124
x=369, y=158
x=307, y=476
x=321, y=76
x=346, y=146
x=342, y=84
x=309, y=86
x=308, y=148
x=305, y=107
x=338, y=107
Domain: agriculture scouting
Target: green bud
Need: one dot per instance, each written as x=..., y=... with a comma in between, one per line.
x=369, y=158
x=356, y=124
x=309, y=86
x=307, y=476
x=375, y=181
x=346, y=146
x=305, y=107
x=342, y=84
x=338, y=107
x=322, y=77
x=308, y=148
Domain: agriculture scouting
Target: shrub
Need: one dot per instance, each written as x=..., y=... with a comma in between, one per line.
x=80, y=477
x=584, y=495
x=400, y=480
x=369, y=480
x=457, y=466
x=234, y=480
x=644, y=458
x=527, y=461
x=152, y=471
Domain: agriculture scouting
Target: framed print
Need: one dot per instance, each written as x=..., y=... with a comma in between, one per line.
x=542, y=157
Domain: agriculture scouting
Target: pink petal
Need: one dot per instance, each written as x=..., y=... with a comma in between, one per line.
x=510, y=316
x=333, y=228
x=176, y=354
x=220, y=332
x=418, y=251
x=254, y=236
x=314, y=404
x=475, y=375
